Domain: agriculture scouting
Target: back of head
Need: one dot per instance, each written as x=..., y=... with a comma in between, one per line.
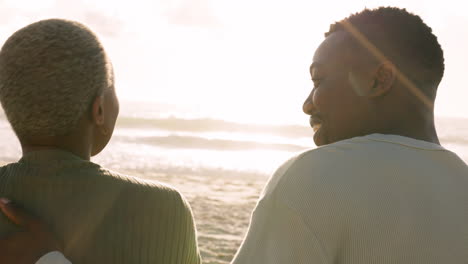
x=402, y=38
x=50, y=72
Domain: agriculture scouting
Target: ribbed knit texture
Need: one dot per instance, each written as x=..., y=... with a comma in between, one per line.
x=378, y=199
x=101, y=216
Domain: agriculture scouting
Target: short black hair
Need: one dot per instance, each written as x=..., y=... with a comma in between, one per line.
x=404, y=39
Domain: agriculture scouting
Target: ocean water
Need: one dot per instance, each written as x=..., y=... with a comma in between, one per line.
x=220, y=166
x=152, y=139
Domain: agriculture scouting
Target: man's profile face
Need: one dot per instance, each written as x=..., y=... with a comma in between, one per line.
x=337, y=111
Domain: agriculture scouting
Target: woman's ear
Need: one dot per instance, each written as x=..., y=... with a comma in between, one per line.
x=97, y=111
x=384, y=78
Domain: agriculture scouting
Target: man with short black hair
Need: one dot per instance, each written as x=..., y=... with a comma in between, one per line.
x=379, y=188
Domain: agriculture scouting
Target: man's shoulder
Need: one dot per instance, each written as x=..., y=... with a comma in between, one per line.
x=359, y=162
x=329, y=165
x=361, y=149
x=327, y=156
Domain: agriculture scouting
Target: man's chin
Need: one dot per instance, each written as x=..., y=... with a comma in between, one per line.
x=319, y=138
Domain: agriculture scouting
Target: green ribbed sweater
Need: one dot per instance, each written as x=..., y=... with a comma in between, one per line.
x=101, y=216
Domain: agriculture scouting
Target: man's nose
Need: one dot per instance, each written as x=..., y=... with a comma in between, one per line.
x=308, y=106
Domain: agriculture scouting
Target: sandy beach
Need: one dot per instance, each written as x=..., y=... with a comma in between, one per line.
x=222, y=208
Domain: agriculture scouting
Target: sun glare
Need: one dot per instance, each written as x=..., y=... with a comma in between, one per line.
x=245, y=60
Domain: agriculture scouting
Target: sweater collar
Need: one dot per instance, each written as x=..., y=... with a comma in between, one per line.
x=406, y=141
x=49, y=154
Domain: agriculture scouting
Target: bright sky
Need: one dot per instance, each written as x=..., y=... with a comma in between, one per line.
x=243, y=60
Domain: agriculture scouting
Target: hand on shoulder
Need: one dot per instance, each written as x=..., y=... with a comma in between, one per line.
x=34, y=236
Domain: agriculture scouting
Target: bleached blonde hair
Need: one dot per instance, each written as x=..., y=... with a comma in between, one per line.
x=50, y=73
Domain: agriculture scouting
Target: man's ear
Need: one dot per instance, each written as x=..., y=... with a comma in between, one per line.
x=384, y=78
x=97, y=111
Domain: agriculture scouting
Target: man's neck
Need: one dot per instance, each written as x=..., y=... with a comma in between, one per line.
x=417, y=128
x=424, y=135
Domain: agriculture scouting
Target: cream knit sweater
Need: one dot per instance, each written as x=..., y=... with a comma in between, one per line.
x=377, y=199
